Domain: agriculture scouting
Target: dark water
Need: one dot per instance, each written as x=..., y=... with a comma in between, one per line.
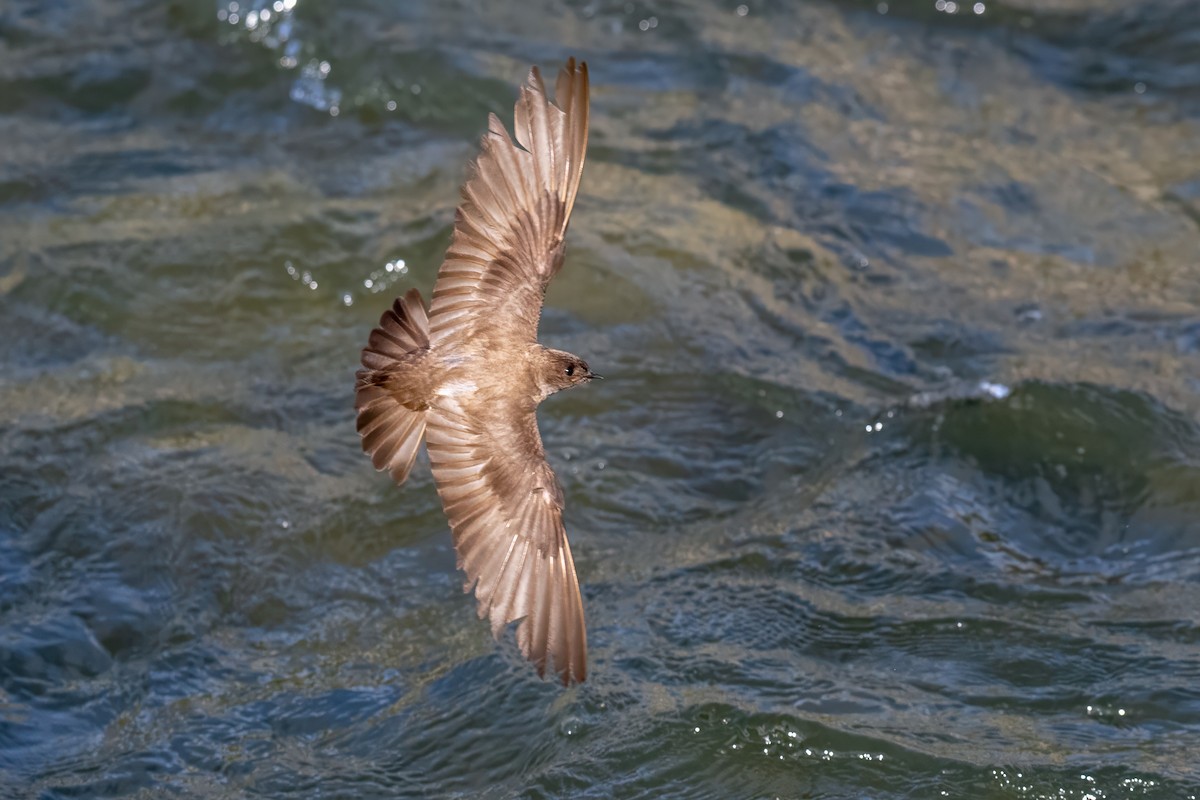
x=893, y=491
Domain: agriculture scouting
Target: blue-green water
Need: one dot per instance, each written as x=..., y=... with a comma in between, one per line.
x=893, y=490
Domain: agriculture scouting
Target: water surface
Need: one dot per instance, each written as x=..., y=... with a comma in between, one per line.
x=892, y=491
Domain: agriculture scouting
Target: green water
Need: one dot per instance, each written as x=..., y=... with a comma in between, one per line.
x=892, y=491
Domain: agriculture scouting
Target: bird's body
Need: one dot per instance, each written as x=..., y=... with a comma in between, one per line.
x=468, y=375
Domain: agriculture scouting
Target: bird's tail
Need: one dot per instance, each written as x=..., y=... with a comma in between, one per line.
x=391, y=410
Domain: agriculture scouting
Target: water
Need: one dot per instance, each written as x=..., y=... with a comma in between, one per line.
x=892, y=491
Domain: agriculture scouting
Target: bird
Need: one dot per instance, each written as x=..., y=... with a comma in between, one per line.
x=468, y=373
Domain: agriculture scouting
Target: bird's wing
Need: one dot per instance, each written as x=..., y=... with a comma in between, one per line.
x=505, y=509
x=510, y=228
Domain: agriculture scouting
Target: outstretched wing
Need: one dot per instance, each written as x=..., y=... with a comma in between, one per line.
x=510, y=228
x=505, y=509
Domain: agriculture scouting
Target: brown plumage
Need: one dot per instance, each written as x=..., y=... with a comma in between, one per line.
x=469, y=376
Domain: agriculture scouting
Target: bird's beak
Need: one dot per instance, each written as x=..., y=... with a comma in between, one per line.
x=594, y=377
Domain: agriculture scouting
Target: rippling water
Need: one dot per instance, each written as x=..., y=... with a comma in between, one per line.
x=893, y=491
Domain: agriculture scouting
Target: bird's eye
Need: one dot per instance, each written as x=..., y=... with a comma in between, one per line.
x=570, y=370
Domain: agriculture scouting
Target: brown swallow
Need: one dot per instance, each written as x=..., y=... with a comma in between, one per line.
x=468, y=376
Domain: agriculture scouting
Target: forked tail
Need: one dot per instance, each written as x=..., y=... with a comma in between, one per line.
x=391, y=409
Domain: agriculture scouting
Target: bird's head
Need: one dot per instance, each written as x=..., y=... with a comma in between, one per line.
x=560, y=370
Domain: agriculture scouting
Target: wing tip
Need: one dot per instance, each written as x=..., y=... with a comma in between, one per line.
x=534, y=84
x=563, y=638
x=573, y=81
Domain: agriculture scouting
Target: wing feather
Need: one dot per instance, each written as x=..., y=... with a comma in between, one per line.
x=511, y=224
x=505, y=510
